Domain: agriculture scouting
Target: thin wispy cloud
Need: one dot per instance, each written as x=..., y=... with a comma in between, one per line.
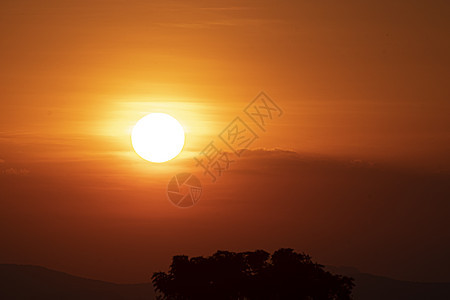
x=232, y=8
x=231, y=22
x=15, y=172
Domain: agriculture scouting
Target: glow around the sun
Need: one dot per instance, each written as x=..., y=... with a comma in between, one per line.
x=157, y=137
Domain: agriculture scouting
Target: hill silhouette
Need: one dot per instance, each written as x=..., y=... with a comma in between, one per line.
x=25, y=282
x=372, y=287
x=31, y=282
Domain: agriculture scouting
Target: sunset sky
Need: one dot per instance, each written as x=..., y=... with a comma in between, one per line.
x=356, y=172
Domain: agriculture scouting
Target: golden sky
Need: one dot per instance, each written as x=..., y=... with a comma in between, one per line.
x=365, y=94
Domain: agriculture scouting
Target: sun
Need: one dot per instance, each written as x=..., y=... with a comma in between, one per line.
x=157, y=137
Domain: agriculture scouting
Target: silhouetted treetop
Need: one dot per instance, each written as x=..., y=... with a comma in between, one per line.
x=255, y=275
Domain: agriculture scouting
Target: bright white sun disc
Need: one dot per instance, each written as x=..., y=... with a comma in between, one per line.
x=157, y=137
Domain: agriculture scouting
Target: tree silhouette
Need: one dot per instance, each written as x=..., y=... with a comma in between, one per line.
x=250, y=276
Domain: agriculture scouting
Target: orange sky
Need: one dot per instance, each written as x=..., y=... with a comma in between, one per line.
x=364, y=90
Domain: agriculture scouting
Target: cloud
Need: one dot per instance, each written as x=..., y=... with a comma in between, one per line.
x=226, y=8
x=342, y=211
x=348, y=208
x=15, y=172
x=277, y=159
x=246, y=22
